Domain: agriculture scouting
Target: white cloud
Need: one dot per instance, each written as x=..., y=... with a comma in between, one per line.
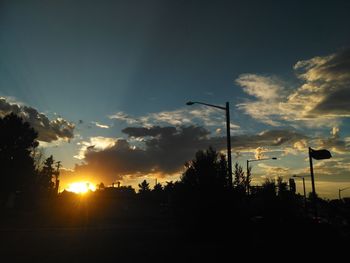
x=121, y=116
x=48, y=130
x=95, y=143
x=103, y=126
x=184, y=116
x=261, y=87
x=320, y=100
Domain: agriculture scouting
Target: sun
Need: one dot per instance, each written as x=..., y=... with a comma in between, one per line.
x=81, y=187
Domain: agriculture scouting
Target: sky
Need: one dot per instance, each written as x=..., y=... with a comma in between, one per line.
x=105, y=84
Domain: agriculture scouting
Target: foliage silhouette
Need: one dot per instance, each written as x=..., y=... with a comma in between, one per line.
x=207, y=172
x=46, y=175
x=144, y=187
x=17, y=142
x=239, y=179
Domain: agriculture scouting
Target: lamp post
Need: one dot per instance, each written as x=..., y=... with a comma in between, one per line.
x=256, y=160
x=302, y=177
x=228, y=135
x=340, y=190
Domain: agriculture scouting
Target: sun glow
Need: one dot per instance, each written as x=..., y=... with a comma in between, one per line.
x=81, y=187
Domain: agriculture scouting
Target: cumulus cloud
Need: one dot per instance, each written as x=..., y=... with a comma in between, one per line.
x=319, y=100
x=259, y=152
x=48, y=130
x=95, y=143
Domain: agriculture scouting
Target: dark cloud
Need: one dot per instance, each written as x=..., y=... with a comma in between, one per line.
x=334, y=67
x=166, y=149
x=151, y=131
x=268, y=138
x=48, y=130
x=335, y=103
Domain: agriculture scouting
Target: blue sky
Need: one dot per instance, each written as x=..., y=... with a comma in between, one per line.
x=124, y=64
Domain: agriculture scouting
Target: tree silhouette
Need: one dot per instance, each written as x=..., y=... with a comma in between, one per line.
x=282, y=186
x=46, y=175
x=17, y=141
x=269, y=187
x=239, y=179
x=248, y=178
x=144, y=187
x=208, y=171
x=158, y=188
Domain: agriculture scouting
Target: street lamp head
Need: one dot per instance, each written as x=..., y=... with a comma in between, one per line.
x=190, y=103
x=274, y=158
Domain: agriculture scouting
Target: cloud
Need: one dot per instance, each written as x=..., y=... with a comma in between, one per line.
x=121, y=116
x=334, y=143
x=102, y=126
x=259, y=152
x=261, y=87
x=164, y=150
x=336, y=169
x=271, y=170
x=200, y=115
x=95, y=143
x=321, y=99
x=268, y=138
x=48, y=130
x=151, y=131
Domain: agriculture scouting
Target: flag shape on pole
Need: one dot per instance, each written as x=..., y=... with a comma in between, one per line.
x=320, y=154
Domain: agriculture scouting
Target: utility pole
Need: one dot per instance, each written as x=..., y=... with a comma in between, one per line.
x=57, y=173
x=228, y=138
x=304, y=189
x=313, y=184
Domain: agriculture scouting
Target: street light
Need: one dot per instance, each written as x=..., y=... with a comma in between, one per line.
x=227, y=110
x=256, y=160
x=340, y=190
x=302, y=177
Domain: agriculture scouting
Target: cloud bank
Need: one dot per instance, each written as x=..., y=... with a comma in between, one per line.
x=48, y=130
x=164, y=150
x=321, y=99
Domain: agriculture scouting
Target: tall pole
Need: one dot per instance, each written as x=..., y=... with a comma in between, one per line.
x=57, y=182
x=313, y=183
x=304, y=192
x=228, y=130
x=247, y=177
x=339, y=194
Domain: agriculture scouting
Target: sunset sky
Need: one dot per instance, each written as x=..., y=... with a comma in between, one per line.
x=105, y=84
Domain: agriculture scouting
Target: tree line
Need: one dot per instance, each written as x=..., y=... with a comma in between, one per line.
x=24, y=171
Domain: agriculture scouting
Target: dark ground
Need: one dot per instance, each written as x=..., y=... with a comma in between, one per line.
x=159, y=242
x=145, y=233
